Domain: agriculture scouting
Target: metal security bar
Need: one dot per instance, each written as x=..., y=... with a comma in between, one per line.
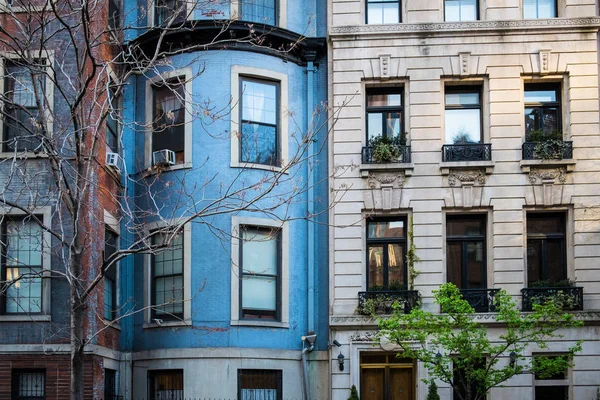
x=571, y=297
x=29, y=384
x=403, y=155
x=482, y=300
x=467, y=152
x=529, y=151
x=382, y=301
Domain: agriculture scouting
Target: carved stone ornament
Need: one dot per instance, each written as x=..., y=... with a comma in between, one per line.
x=384, y=65
x=544, y=174
x=544, y=61
x=464, y=60
x=471, y=177
x=396, y=180
x=366, y=336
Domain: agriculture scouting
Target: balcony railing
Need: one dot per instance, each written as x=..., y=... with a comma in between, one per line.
x=482, y=300
x=467, y=152
x=403, y=155
x=531, y=153
x=381, y=302
x=572, y=297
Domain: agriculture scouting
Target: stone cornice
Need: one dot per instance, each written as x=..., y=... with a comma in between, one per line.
x=590, y=23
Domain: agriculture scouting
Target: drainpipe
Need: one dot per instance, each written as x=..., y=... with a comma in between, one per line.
x=308, y=345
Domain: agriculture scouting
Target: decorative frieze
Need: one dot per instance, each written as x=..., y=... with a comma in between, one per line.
x=384, y=190
x=544, y=174
x=466, y=177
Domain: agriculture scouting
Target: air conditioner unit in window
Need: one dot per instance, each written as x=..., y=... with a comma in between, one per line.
x=114, y=161
x=163, y=157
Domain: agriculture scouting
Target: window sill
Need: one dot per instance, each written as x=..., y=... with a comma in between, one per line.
x=25, y=318
x=22, y=155
x=153, y=171
x=527, y=164
x=167, y=324
x=260, y=324
x=264, y=167
x=112, y=324
x=15, y=10
x=391, y=167
x=445, y=167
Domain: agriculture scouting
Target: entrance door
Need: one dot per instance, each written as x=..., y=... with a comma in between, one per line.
x=401, y=384
x=386, y=377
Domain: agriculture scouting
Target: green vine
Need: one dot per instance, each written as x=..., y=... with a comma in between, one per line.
x=411, y=257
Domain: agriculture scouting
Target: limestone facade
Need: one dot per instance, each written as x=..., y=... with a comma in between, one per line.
x=423, y=58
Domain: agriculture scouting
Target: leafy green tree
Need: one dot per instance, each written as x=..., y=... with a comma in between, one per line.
x=353, y=394
x=432, y=393
x=454, y=344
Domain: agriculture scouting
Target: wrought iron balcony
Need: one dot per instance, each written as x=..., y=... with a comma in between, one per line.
x=572, y=297
x=467, y=152
x=382, y=301
x=369, y=158
x=482, y=300
x=530, y=152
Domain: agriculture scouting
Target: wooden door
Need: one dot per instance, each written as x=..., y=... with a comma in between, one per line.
x=373, y=384
x=401, y=384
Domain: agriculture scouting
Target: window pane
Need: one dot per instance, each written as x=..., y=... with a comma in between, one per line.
x=166, y=385
x=391, y=13
x=31, y=385
x=374, y=125
x=463, y=98
x=386, y=229
x=546, y=9
x=384, y=100
x=169, y=261
x=109, y=290
x=396, y=267
x=24, y=243
x=259, y=144
x=259, y=293
x=530, y=9
x=465, y=227
x=24, y=295
x=259, y=102
x=452, y=10
x=534, y=260
x=468, y=11
x=260, y=384
x=551, y=393
x=545, y=224
x=169, y=117
x=393, y=124
x=375, y=266
x=555, y=256
x=375, y=14
x=475, y=265
x=540, y=96
x=454, y=261
x=260, y=251
x=463, y=126
x=533, y=118
x=260, y=11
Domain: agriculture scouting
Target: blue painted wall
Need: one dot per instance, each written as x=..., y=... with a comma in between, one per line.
x=211, y=259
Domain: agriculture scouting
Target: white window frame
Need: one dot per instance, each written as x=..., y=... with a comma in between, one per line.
x=237, y=72
x=48, y=57
x=280, y=10
x=186, y=74
x=187, y=277
x=46, y=216
x=558, y=4
x=113, y=224
x=236, y=223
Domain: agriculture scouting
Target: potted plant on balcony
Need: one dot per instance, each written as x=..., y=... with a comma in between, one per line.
x=385, y=149
x=558, y=291
x=548, y=145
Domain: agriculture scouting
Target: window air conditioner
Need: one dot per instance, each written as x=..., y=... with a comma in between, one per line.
x=163, y=157
x=113, y=160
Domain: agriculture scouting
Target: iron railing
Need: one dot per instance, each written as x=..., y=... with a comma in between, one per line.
x=529, y=152
x=467, y=152
x=482, y=300
x=382, y=301
x=403, y=157
x=571, y=297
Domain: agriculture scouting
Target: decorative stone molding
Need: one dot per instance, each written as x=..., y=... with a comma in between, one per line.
x=352, y=320
x=592, y=23
x=464, y=63
x=543, y=175
x=544, y=62
x=365, y=336
x=384, y=190
x=384, y=66
x=466, y=177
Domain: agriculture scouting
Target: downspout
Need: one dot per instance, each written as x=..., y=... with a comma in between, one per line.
x=310, y=206
x=308, y=345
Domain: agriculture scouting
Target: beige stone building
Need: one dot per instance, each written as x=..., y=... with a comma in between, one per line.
x=477, y=121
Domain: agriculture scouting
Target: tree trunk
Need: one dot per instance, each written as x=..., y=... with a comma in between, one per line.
x=76, y=332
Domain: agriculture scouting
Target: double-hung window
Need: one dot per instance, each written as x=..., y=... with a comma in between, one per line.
x=259, y=121
x=21, y=266
x=539, y=9
x=461, y=10
x=168, y=117
x=384, y=114
x=111, y=385
x=169, y=12
x=24, y=91
x=260, y=384
x=165, y=384
x=546, y=248
x=167, y=278
x=463, y=120
x=383, y=11
x=386, y=254
x=259, y=11
x=28, y=384
x=542, y=108
x=465, y=251
x=113, y=124
x=114, y=14
x=110, y=276
x=260, y=271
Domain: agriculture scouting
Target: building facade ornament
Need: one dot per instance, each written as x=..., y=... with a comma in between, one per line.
x=545, y=175
x=544, y=62
x=364, y=336
x=466, y=177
